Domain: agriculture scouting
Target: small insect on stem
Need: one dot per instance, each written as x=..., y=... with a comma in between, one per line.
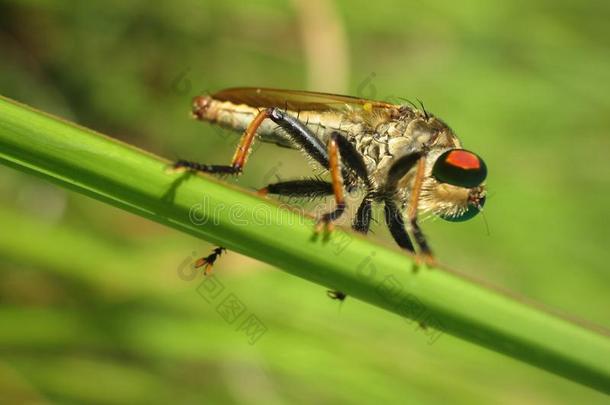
x=400, y=156
x=336, y=295
x=208, y=262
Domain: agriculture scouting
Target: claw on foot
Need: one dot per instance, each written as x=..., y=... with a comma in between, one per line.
x=324, y=225
x=424, y=259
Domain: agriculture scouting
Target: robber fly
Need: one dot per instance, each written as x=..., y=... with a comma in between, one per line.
x=400, y=155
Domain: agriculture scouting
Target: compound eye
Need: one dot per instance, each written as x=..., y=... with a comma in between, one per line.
x=469, y=213
x=461, y=168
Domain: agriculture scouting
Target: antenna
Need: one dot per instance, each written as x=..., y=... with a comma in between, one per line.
x=485, y=221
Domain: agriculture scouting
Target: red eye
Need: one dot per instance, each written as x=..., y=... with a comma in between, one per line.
x=460, y=167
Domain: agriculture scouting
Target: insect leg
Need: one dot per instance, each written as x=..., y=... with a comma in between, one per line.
x=398, y=170
x=336, y=295
x=239, y=158
x=352, y=159
x=362, y=220
x=309, y=188
x=340, y=150
x=396, y=225
x=393, y=216
x=334, y=167
x=301, y=135
x=412, y=211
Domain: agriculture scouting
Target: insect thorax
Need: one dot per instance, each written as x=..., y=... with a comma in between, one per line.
x=388, y=141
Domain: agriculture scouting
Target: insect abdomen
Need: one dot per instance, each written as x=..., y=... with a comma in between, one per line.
x=237, y=117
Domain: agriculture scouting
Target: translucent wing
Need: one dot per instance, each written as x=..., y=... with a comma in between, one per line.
x=296, y=100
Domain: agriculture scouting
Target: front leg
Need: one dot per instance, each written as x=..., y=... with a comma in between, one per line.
x=396, y=225
x=362, y=220
x=393, y=216
x=424, y=250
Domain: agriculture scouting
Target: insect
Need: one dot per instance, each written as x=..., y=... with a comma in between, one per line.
x=336, y=295
x=401, y=156
x=208, y=262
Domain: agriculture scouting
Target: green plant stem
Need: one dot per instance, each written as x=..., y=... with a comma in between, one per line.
x=126, y=177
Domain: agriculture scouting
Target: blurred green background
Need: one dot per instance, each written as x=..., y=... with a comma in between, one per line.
x=92, y=308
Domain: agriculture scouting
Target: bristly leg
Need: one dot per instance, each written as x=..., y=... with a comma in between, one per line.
x=424, y=249
x=308, y=188
x=352, y=159
x=200, y=167
x=340, y=150
x=393, y=217
x=334, y=167
x=398, y=170
x=396, y=225
x=208, y=262
x=300, y=134
x=362, y=220
x=425, y=254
